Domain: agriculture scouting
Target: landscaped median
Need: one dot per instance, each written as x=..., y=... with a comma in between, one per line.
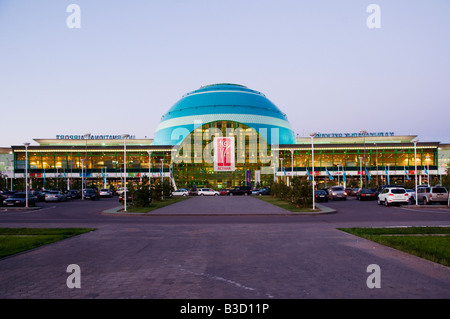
x=294, y=209
x=16, y=240
x=432, y=243
x=155, y=204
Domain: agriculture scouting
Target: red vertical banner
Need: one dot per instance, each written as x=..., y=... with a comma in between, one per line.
x=224, y=154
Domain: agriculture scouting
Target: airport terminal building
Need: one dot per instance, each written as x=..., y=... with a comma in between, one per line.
x=220, y=136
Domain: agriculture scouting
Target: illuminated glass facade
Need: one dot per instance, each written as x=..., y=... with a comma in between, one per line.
x=265, y=148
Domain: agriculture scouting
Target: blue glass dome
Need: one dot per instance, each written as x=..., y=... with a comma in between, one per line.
x=223, y=102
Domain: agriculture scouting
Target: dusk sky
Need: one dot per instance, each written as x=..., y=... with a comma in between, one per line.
x=130, y=61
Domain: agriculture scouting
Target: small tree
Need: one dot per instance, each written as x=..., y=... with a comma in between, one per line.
x=301, y=193
x=161, y=189
x=142, y=194
x=446, y=178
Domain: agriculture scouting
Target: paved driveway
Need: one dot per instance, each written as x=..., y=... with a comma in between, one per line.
x=275, y=256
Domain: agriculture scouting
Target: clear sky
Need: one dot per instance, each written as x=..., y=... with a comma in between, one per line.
x=130, y=61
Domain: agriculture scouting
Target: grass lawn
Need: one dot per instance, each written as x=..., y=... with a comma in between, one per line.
x=15, y=240
x=432, y=243
x=286, y=205
x=155, y=205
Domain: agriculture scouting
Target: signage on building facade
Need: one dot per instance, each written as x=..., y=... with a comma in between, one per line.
x=224, y=154
x=93, y=137
x=354, y=134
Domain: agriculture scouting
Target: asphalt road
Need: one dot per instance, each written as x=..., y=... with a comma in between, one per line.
x=261, y=253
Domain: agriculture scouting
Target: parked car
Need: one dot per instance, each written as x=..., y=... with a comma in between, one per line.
x=349, y=191
x=412, y=195
x=393, y=195
x=6, y=194
x=40, y=195
x=366, y=194
x=207, y=192
x=264, y=191
x=224, y=191
x=73, y=194
x=180, y=192
x=105, y=192
x=120, y=191
x=321, y=195
x=240, y=190
x=55, y=196
x=434, y=194
x=2, y=198
x=20, y=199
x=91, y=193
x=122, y=197
x=337, y=192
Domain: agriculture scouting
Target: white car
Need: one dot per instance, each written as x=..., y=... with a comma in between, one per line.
x=180, y=192
x=55, y=196
x=104, y=192
x=393, y=195
x=120, y=191
x=412, y=195
x=207, y=191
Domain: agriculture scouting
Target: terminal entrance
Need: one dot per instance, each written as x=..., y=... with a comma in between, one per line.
x=193, y=163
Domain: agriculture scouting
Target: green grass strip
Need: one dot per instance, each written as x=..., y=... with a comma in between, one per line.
x=432, y=243
x=155, y=204
x=16, y=240
x=285, y=204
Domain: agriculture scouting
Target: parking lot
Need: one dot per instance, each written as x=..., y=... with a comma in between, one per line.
x=210, y=251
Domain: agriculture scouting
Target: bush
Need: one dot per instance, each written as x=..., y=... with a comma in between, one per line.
x=299, y=193
x=162, y=189
x=142, y=195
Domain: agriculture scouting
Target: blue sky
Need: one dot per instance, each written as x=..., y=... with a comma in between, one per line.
x=132, y=60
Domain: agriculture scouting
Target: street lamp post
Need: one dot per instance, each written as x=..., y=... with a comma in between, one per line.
x=376, y=160
x=292, y=163
x=82, y=178
x=312, y=154
x=364, y=133
x=415, y=167
x=149, y=169
x=162, y=178
x=339, y=174
x=125, y=136
x=360, y=171
x=26, y=173
x=282, y=170
x=86, y=137
x=428, y=170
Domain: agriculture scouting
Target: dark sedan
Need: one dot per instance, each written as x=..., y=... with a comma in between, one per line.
x=321, y=196
x=20, y=199
x=242, y=190
x=366, y=194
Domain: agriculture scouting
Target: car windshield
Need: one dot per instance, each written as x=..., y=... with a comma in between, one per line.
x=337, y=188
x=19, y=196
x=439, y=190
x=398, y=191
